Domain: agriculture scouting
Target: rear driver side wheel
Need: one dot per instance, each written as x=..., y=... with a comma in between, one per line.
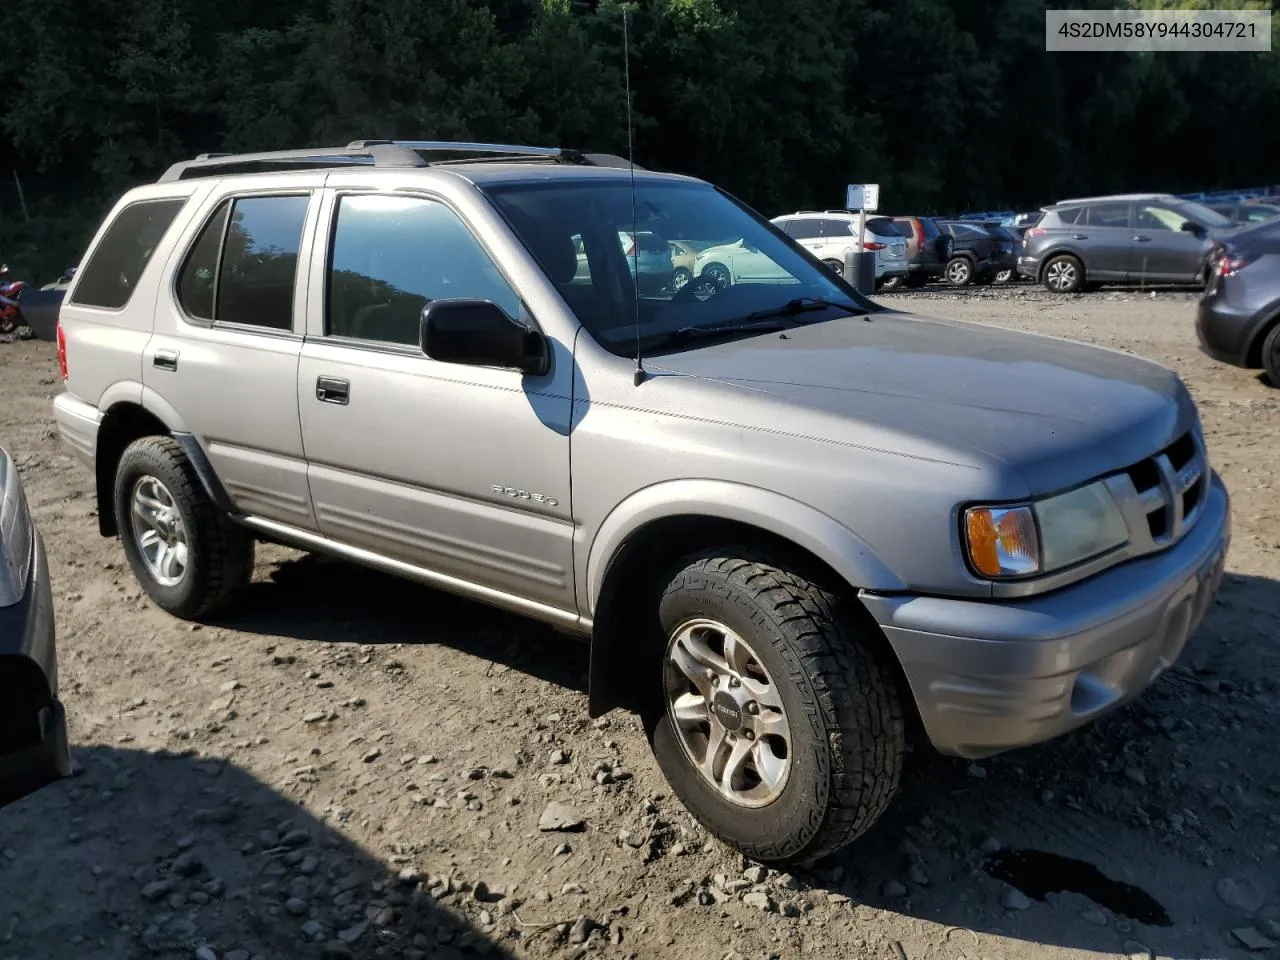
x=1063, y=274
x=959, y=272
x=780, y=727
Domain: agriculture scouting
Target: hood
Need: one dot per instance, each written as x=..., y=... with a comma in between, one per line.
x=1054, y=411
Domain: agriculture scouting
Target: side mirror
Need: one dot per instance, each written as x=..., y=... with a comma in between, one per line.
x=1189, y=227
x=479, y=333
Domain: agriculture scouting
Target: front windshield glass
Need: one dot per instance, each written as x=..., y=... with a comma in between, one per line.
x=697, y=260
x=1202, y=214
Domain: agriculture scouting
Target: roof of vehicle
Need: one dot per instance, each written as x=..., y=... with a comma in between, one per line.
x=479, y=162
x=1116, y=197
x=831, y=214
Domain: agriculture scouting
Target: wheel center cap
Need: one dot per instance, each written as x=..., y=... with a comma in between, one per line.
x=727, y=711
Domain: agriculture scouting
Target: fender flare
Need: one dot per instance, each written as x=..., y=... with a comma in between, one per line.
x=832, y=542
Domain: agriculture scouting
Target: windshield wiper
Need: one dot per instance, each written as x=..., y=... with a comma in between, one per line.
x=802, y=305
x=755, y=326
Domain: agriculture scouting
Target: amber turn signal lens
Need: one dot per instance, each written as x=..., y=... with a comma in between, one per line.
x=1003, y=541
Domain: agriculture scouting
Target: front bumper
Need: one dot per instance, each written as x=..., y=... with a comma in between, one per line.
x=33, y=733
x=988, y=676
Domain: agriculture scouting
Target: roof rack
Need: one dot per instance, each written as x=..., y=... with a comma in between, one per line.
x=377, y=153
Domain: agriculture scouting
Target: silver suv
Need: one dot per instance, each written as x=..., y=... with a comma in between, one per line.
x=789, y=521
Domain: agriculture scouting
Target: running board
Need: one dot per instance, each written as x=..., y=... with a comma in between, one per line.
x=306, y=540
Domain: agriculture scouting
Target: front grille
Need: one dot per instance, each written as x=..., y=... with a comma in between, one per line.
x=1170, y=489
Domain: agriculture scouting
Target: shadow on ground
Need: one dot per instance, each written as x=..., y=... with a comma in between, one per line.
x=158, y=855
x=330, y=601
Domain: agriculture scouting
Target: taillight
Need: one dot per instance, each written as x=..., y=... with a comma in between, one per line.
x=1035, y=232
x=1228, y=266
x=873, y=245
x=62, y=351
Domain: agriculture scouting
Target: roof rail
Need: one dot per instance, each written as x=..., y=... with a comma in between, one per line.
x=378, y=153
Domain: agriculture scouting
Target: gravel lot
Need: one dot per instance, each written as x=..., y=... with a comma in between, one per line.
x=352, y=766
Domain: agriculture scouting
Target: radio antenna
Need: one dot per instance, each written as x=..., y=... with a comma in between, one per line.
x=635, y=235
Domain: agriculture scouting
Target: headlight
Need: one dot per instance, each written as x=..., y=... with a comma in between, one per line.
x=1021, y=541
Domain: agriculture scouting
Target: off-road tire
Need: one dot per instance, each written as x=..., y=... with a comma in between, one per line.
x=220, y=552
x=840, y=696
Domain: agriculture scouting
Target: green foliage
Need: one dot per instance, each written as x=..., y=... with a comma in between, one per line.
x=948, y=104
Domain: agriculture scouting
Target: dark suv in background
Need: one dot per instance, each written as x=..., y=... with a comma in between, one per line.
x=1131, y=238
x=977, y=254
x=928, y=249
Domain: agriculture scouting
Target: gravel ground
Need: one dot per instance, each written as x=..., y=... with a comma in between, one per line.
x=353, y=766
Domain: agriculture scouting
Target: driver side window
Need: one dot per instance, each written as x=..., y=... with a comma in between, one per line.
x=391, y=256
x=1158, y=218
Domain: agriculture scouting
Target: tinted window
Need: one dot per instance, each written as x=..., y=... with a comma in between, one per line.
x=1109, y=215
x=392, y=255
x=1200, y=214
x=260, y=262
x=195, y=283
x=837, y=228
x=112, y=273
x=1070, y=215
x=884, y=227
x=805, y=229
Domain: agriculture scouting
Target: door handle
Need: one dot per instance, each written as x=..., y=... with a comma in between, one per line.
x=1079, y=236
x=165, y=360
x=1142, y=239
x=333, y=390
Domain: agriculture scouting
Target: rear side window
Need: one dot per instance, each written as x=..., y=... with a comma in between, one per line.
x=836, y=228
x=884, y=227
x=1070, y=215
x=260, y=262
x=805, y=229
x=200, y=272
x=112, y=273
x=391, y=256
x=1109, y=215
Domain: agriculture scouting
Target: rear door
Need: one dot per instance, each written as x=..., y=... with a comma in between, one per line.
x=1104, y=237
x=1162, y=251
x=228, y=334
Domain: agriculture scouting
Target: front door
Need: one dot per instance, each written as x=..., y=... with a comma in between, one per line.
x=458, y=469
x=224, y=355
x=1163, y=252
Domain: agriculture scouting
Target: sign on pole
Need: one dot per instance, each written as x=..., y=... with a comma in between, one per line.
x=862, y=196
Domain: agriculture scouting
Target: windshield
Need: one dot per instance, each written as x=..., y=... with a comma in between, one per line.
x=703, y=261
x=1201, y=214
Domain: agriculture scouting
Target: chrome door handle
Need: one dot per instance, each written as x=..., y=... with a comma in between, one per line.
x=1142, y=239
x=1079, y=236
x=333, y=390
x=165, y=360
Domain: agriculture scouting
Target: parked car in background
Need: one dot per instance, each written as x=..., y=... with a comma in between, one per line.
x=1137, y=238
x=1246, y=211
x=832, y=234
x=928, y=249
x=683, y=259
x=33, y=728
x=40, y=307
x=977, y=255
x=1010, y=239
x=1238, y=319
x=650, y=261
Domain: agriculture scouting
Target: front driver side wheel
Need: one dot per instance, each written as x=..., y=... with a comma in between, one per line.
x=780, y=726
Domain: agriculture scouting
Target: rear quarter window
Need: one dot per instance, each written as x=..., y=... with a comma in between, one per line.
x=115, y=267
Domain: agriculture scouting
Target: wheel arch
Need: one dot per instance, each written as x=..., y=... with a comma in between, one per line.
x=641, y=541
x=1253, y=347
x=1057, y=252
x=126, y=421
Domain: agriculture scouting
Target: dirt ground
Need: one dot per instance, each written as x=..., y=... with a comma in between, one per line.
x=353, y=766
